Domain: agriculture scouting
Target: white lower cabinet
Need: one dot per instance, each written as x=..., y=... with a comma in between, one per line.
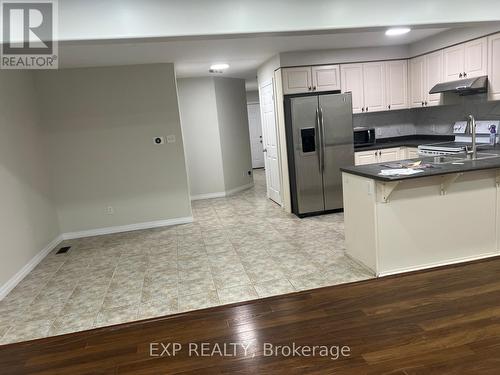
x=390, y=154
x=411, y=153
x=366, y=157
x=379, y=156
x=385, y=155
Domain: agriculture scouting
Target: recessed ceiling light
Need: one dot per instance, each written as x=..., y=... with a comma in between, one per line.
x=219, y=66
x=397, y=31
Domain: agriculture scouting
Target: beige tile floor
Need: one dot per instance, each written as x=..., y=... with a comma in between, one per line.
x=239, y=248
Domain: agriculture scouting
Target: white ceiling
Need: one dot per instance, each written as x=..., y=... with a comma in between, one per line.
x=193, y=57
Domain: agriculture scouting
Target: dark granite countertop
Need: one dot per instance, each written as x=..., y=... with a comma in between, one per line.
x=372, y=170
x=405, y=141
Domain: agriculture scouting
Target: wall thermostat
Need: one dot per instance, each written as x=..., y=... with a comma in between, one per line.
x=159, y=140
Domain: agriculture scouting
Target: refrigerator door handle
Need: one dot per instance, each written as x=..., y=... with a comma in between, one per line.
x=322, y=144
x=318, y=139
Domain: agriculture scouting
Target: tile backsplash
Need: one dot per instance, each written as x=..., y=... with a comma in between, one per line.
x=388, y=124
x=431, y=120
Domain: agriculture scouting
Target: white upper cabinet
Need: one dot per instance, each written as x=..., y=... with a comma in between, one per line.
x=476, y=58
x=454, y=63
x=494, y=66
x=434, y=75
x=352, y=81
x=425, y=72
x=399, y=84
x=366, y=82
x=466, y=60
x=396, y=78
x=417, y=82
x=325, y=77
x=374, y=86
x=297, y=80
x=307, y=79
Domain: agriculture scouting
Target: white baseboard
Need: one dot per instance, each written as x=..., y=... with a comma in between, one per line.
x=127, y=228
x=438, y=264
x=23, y=272
x=198, y=197
x=221, y=194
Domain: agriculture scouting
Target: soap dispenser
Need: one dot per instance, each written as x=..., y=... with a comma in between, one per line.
x=493, y=134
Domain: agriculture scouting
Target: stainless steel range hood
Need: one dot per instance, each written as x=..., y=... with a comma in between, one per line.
x=466, y=86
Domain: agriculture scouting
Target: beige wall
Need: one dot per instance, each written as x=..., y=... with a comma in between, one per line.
x=99, y=125
x=343, y=55
x=253, y=96
x=200, y=127
x=265, y=72
x=234, y=132
x=216, y=135
x=28, y=220
x=451, y=37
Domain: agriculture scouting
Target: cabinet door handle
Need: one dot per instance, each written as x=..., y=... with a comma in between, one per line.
x=460, y=75
x=314, y=88
x=426, y=103
x=366, y=109
x=309, y=88
x=376, y=152
x=362, y=109
x=389, y=106
x=465, y=74
x=422, y=104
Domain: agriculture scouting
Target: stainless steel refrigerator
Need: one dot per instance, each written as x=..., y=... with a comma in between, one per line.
x=319, y=136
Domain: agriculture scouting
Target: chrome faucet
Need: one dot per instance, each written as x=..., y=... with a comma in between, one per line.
x=471, y=129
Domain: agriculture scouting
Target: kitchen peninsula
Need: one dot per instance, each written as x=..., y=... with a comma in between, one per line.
x=446, y=214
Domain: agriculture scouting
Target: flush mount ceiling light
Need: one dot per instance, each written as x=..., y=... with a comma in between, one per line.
x=218, y=68
x=397, y=31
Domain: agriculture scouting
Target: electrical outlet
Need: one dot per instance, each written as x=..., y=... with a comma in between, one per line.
x=171, y=138
x=109, y=210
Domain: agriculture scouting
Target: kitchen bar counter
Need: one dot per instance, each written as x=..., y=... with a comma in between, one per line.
x=445, y=215
x=373, y=170
x=405, y=141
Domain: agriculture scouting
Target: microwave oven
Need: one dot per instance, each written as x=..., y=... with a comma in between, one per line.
x=364, y=136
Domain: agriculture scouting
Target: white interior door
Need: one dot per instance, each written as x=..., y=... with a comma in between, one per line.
x=255, y=127
x=270, y=138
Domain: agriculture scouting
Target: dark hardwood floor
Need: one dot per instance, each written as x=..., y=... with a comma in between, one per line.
x=442, y=321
